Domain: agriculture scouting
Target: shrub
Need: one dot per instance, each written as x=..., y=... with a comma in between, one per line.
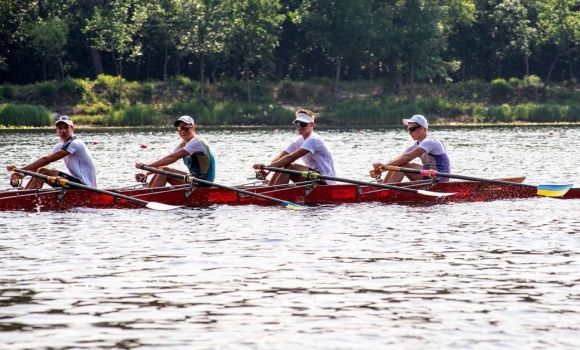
x=98, y=108
x=547, y=113
x=8, y=91
x=514, y=82
x=361, y=112
x=136, y=116
x=500, y=90
x=48, y=89
x=502, y=114
x=77, y=89
x=90, y=120
x=522, y=112
x=533, y=81
x=573, y=114
x=231, y=88
x=24, y=115
x=147, y=91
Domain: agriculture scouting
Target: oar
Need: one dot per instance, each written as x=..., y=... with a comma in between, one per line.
x=546, y=190
x=314, y=175
x=61, y=181
x=190, y=178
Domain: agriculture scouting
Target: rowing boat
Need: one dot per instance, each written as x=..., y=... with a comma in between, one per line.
x=307, y=193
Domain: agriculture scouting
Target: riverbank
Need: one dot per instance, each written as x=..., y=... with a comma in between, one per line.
x=106, y=102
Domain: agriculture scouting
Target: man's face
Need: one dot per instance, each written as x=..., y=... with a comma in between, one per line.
x=415, y=130
x=64, y=131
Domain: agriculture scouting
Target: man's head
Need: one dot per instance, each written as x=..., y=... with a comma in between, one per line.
x=304, y=119
x=185, y=119
x=185, y=127
x=417, y=126
x=417, y=119
x=63, y=119
x=64, y=127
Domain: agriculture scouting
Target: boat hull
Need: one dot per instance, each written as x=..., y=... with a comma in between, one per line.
x=307, y=194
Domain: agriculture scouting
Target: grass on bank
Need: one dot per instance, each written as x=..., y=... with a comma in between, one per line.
x=98, y=102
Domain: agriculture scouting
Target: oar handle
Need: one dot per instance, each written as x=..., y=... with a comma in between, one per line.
x=63, y=182
x=315, y=175
x=190, y=179
x=433, y=173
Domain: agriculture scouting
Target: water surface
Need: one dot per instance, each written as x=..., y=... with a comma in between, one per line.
x=501, y=274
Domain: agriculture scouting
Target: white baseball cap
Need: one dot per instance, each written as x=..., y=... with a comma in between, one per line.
x=184, y=119
x=63, y=119
x=419, y=119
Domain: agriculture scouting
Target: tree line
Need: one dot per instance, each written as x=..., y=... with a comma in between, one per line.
x=399, y=41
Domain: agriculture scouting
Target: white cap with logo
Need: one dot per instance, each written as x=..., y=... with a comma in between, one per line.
x=63, y=119
x=419, y=119
x=184, y=119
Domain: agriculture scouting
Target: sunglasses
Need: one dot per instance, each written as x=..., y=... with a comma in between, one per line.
x=411, y=129
x=300, y=124
x=183, y=128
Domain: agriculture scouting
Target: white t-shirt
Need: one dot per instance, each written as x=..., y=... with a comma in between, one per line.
x=435, y=156
x=193, y=146
x=79, y=162
x=319, y=157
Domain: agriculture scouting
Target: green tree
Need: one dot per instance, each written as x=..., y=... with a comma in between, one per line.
x=559, y=28
x=340, y=27
x=203, y=30
x=255, y=25
x=511, y=31
x=48, y=39
x=117, y=29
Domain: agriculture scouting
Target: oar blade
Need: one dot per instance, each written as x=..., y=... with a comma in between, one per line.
x=161, y=206
x=553, y=190
x=292, y=206
x=435, y=194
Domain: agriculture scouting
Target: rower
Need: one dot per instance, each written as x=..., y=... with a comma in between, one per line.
x=310, y=147
x=71, y=150
x=194, y=152
x=427, y=148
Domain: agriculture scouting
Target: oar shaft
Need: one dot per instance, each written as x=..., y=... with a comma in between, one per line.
x=333, y=178
x=190, y=179
x=62, y=181
x=432, y=173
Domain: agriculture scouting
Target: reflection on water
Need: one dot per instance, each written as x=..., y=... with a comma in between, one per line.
x=467, y=275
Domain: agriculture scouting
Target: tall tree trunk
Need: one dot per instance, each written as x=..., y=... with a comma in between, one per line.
x=547, y=81
x=572, y=83
x=165, y=62
x=412, y=80
x=148, y=65
x=97, y=63
x=44, y=70
x=202, y=68
x=248, y=87
x=61, y=69
x=120, y=79
x=463, y=63
x=177, y=63
x=527, y=65
x=395, y=77
x=115, y=63
x=337, y=76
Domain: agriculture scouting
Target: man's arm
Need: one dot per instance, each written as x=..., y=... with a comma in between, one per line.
x=407, y=157
x=45, y=160
x=168, y=159
x=289, y=158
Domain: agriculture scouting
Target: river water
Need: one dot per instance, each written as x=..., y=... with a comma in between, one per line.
x=501, y=274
